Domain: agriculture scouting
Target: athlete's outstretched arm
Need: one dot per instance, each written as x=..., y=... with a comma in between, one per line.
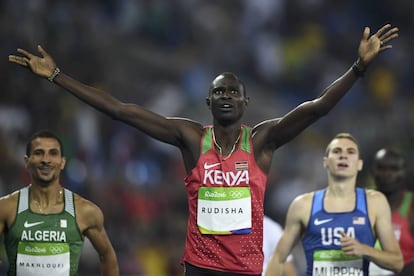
x=169, y=130
x=281, y=130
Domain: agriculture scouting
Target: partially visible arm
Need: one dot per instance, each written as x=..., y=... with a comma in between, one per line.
x=272, y=232
x=289, y=269
x=3, y=219
x=279, y=131
x=292, y=233
x=411, y=217
x=408, y=269
x=390, y=256
x=91, y=222
x=180, y=132
x=8, y=207
x=165, y=129
x=159, y=127
x=3, y=214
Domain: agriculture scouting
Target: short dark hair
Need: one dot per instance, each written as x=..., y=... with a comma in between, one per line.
x=44, y=133
x=341, y=135
x=232, y=76
x=390, y=153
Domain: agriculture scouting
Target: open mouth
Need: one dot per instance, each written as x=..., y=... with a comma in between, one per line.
x=343, y=165
x=225, y=106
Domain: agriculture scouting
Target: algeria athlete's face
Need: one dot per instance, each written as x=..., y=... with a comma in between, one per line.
x=342, y=158
x=45, y=161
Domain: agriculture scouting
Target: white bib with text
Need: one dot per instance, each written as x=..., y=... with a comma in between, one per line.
x=224, y=210
x=35, y=258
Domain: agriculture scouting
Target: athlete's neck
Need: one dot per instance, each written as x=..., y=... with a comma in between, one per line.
x=226, y=149
x=45, y=199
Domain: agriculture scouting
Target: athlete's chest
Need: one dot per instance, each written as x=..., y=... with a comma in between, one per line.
x=235, y=171
x=44, y=228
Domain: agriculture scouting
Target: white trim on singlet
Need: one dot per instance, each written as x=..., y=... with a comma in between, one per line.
x=69, y=202
x=24, y=201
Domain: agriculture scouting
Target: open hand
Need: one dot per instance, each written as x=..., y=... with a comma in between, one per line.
x=42, y=66
x=371, y=46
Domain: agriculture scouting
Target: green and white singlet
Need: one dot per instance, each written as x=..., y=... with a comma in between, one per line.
x=40, y=244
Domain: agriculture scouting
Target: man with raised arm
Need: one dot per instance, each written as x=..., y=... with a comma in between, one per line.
x=226, y=163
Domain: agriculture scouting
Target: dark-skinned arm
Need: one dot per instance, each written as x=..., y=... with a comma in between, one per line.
x=277, y=132
x=168, y=130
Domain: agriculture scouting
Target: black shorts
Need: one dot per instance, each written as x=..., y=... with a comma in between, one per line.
x=190, y=270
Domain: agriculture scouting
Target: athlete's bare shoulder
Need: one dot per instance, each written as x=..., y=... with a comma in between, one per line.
x=305, y=198
x=301, y=205
x=375, y=195
x=85, y=206
x=12, y=196
x=8, y=209
x=88, y=214
x=299, y=210
x=187, y=131
x=9, y=200
x=377, y=201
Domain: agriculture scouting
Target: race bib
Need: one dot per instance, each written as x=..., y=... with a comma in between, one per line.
x=224, y=210
x=335, y=262
x=39, y=259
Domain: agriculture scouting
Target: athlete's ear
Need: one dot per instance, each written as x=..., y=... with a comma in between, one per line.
x=325, y=162
x=62, y=165
x=208, y=102
x=26, y=161
x=360, y=165
x=246, y=101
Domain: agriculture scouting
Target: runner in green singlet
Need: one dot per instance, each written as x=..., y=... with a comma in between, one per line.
x=44, y=224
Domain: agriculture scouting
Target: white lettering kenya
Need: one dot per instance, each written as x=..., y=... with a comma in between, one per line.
x=218, y=177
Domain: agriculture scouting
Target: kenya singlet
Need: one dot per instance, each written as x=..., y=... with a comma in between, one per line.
x=401, y=225
x=225, y=196
x=322, y=239
x=39, y=244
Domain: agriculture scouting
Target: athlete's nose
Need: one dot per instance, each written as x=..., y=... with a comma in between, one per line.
x=45, y=158
x=227, y=93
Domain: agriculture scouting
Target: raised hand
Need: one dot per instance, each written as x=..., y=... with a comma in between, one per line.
x=371, y=46
x=43, y=66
